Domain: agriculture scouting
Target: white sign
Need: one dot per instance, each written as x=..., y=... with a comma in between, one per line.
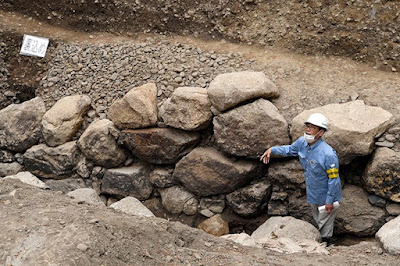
x=34, y=46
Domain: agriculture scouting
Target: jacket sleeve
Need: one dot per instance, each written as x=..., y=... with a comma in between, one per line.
x=332, y=170
x=287, y=150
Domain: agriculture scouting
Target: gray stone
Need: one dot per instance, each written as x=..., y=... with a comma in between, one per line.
x=159, y=145
x=28, y=178
x=206, y=171
x=161, y=177
x=128, y=181
x=20, y=125
x=251, y=200
x=356, y=215
x=52, y=162
x=64, y=119
x=376, y=201
x=10, y=168
x=132, y=206
x=250, y=129
x=353, y=127
x=389, y=236
x=87, y=195
x=188, y=108
x=230, y=89
x=99, y=144
x=175, y=199
x=288, y=227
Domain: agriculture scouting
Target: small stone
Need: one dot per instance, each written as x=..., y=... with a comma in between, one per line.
x=82, y=247
x=386, y=144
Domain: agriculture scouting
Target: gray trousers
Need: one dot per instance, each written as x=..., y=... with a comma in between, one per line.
x=324, y=220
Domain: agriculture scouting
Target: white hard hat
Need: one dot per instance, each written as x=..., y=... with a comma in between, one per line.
x=319, y=120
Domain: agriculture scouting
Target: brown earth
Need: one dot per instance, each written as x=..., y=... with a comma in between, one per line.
x=47, y=227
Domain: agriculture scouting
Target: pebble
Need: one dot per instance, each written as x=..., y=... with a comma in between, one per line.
x=82, y=247
x=386, y=144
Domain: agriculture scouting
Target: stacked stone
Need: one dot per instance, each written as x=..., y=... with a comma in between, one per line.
x=107, y=72
x=4, y=93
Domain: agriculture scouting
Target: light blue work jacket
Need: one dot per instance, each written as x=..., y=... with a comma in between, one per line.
x=321, y=169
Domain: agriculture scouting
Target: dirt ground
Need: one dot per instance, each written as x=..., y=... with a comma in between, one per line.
x=46, y=227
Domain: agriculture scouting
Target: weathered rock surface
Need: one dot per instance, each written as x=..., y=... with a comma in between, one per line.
x=206, y=171
x=64, y=119
x=10, y=168
x=161, y=177
x=230, y=89
x=353, y=127
x=393, y=209
x=137, y=109
x=28, y=178
x=382, y=174
x=99, y=144
x=176, y=200
x=250, y=200
x=250, y=129
x=389, y=236
x=288, y=227
x=6, y=156
x=52, y=162
x=159, y=145
x=128, y=181
x=356, y=215
x=215, y=225
x=132, y=206
x=87, y=195
x=188, y=108
x=20, y=125
x=287, y=173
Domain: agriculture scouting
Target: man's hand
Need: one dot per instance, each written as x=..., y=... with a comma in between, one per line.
x=265, y=157
x=328, y=207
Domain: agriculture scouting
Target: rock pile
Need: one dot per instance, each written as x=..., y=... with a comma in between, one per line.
x=136, y=154
x=106, y=72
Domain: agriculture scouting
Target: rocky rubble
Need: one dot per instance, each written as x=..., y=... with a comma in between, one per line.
x=200, y=181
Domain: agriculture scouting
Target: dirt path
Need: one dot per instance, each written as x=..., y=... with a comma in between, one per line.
x=305, y=81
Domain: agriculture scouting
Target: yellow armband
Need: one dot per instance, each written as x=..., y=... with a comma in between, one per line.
x=333, y=172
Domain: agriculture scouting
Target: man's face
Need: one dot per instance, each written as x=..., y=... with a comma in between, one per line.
x=310, y=129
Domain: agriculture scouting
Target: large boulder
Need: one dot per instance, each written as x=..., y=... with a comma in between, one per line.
x=188, y=108
x=177, y=199
x=287, y=227
x=52, y=162
x=20, y=125
x=287, y=173
x=382, y=174
x=356, y=216
x=353, y=127
x=64, y=119
x=137, y=109
x=230, y=89
x=159, y=145
x=389, y=236
x=250, y=200
x=128, y=181
x=99, y=144
x=250, y=129
x=206, y=171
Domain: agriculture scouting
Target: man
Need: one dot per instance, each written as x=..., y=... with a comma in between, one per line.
x=321, y=171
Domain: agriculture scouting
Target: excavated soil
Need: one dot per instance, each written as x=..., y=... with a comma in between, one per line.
x=46, y=227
